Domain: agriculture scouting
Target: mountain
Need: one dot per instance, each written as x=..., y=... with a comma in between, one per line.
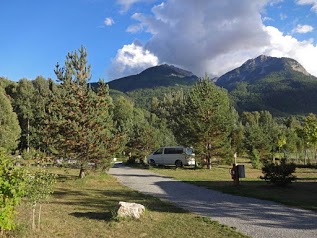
x=157, y=76
x=279, y=85
x=260, y=68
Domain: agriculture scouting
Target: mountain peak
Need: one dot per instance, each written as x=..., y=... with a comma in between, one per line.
x=167, y=69
x=269, y=63
x=158, y=76
x=260, y=67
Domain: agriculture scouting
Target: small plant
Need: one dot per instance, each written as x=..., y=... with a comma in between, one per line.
x=279, y=174
x=40, y=187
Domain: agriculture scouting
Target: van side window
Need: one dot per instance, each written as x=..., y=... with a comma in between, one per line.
x=173, y=151
x=158, y=152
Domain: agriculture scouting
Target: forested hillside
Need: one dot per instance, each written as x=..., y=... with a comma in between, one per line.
x=279, y=85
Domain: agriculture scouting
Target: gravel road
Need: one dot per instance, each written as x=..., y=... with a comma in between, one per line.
x=253, y=217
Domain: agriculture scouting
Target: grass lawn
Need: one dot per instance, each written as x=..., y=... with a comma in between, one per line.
x=302, y=193
x=85, y=208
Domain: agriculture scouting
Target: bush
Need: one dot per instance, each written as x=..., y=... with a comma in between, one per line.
x=12, y=189
x=279, y=174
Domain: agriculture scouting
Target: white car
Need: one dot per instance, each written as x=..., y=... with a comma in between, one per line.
x=172, y=155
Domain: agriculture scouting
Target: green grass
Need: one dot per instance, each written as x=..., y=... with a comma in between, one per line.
x=86, y=208
x=302, y=193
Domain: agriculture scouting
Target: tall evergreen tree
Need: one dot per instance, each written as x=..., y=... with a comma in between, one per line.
x=207, y=121
x=80, y=120
x=9, y=125
x=23, y=106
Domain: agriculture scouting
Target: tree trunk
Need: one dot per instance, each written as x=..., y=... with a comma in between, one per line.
x=28, y=137
x=39, y=218
x=82, y=172
x=33, y=217
x=208, y=162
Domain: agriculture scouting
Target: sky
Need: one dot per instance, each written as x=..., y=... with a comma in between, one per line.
x=124, y=37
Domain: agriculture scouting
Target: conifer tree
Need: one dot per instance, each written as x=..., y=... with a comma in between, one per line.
x=207, y=121
x=79, y=119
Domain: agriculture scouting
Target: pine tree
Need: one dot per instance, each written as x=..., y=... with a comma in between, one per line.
x=79, y=119
x=207, y=121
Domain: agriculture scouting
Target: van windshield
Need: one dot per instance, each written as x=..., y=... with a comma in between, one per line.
x=189, y=151
x=158, y=152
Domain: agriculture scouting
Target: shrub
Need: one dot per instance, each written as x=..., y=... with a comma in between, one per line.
x=279, y=174
x=12, y=187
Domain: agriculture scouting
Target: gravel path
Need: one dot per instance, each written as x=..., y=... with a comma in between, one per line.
x=253, y=217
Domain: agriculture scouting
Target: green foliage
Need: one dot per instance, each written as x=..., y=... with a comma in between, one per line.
x=12, y=189
x=260, y=135
x=148, y=133
x=255, y=159
x=9, y=126
x=40, y=187
x=143, y=97
x=279, y=174
x=79, y=120
x=282, y=93
x=207, y=120
x=158, y=76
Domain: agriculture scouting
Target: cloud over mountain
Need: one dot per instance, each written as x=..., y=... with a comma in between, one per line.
x=213, y=36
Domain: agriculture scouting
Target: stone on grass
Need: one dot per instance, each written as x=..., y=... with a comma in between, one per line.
x=132, y=210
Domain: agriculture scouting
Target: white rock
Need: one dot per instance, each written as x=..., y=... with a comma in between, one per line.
x=133, y=210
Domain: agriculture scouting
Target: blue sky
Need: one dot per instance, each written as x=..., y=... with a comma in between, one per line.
x=124, y=37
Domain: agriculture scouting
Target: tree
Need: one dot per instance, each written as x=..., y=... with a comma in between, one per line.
x=260, y=135
x=207, y=120
x=148, y=133
x=42, y=91
x=40, y=187
x=23, y=106
x=79, y=120
x=310, y=132
x=9, y=125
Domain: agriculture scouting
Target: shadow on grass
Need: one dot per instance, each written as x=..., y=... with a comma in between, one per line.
x=100, y=216
x=107, y=200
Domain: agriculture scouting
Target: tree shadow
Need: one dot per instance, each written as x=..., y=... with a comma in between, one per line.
x=223, y=207
x=100, y=216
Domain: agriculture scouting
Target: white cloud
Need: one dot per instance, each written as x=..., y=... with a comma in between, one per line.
x=131, y=59
x=302, y=29
x=220, y=38
x=222, y=30
x=126, y=4
x=305, y=52
x=308, y=2
x=109, y=21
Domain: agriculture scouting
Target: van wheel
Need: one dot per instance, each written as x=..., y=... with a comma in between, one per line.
x=178, y=163
x=152, y=162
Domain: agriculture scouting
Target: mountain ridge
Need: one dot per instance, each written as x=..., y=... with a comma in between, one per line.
x=158, y=76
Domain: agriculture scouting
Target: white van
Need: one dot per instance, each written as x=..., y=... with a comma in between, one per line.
x=173, y=155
